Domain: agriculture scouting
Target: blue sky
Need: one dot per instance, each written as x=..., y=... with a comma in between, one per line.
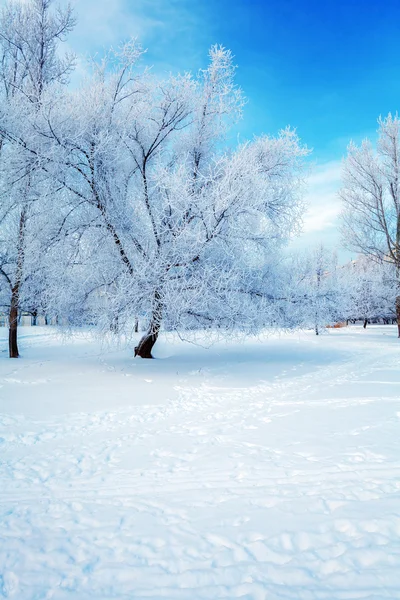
x=327, y=68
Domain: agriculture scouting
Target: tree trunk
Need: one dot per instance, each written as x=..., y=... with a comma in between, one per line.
x=14, y=304
x=365, y=323
x=34, y=318
x=398, y=314
x=136, y=325
x=146, y=344
x=13, y=327
x=114, y=326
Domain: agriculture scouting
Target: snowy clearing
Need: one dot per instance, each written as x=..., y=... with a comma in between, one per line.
x=264, y=470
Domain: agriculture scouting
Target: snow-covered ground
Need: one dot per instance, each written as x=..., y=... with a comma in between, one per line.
x=263, y=470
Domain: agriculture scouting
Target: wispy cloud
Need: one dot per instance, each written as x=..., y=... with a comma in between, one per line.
x=102, y=23
x=175, y=32
x=322, y=197
x=321, y=220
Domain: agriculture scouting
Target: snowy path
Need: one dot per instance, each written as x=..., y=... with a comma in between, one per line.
x=269, y=470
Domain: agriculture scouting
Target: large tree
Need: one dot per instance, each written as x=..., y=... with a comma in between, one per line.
x=175, y=227
x=30, y=33
x=371, y=197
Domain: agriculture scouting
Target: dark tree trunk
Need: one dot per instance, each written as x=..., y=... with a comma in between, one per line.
x=114, y=326
x=34, y=318
x=13, y=327
x=365, y=323
x=14, y=305
x=398, y=314
x=146, y=344
x=136, y=325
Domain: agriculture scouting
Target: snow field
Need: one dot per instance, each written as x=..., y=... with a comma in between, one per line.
x=264, y=470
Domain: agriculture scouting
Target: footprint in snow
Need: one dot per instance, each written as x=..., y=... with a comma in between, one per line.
x=36, y=382
x=9, y=584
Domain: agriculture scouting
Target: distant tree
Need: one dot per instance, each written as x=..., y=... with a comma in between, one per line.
x=370, y=289
x=324, y=293
x=313, y=295
x=371, y=198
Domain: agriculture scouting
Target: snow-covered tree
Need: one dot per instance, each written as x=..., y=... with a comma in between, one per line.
x=30, y=33
x=312, y=295
x=370, y=289
x=161, y=221
x=323, y=289
x=371, y=197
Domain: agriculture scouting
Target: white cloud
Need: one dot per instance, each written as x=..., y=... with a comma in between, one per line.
x=102, y=23
x=322, y=197
x=173, y=30
x=174, y=33
x=321, y=220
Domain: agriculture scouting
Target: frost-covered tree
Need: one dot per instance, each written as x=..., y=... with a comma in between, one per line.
x=324, y=292
x=160, y=220
x=313, y=295
x=371, y=197
x=30, y=33
x=370, y=289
